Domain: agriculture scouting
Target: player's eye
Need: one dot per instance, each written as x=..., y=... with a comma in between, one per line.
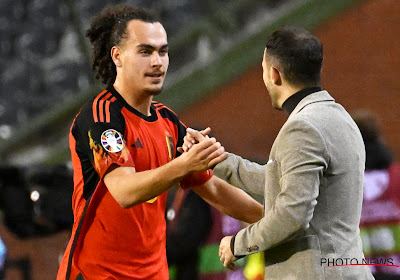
x=163, y=51
x=144, y=51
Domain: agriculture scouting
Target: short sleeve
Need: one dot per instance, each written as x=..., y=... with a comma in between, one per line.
x=102, y=138
x=108, y=147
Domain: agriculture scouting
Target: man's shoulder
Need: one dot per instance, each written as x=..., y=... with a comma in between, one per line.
x=301, y=126
x=319, y=112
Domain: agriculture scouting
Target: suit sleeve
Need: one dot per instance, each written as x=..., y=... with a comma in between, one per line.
x=302, y=157
x=244, y=174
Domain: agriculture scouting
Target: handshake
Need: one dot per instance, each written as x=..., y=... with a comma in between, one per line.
x=201, y=153
x=193, y=137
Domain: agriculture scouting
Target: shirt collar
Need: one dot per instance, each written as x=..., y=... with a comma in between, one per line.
x=294, y=99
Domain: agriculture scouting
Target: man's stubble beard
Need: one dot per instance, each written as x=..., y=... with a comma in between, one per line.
x=274, y=100
x=153, y=92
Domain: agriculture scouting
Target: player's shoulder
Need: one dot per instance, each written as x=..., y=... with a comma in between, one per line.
x=160, y=106
x=165, y=111
x=102, y=110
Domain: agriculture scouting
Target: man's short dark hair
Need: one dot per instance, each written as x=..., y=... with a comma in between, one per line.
x=299, y=53
x=108, y=29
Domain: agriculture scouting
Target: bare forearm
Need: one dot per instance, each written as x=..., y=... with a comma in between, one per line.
x=230, y=200
x=130, y=188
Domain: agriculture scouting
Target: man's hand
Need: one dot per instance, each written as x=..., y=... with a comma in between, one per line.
x=203, y=156
x=225, y=254
x=192, y=137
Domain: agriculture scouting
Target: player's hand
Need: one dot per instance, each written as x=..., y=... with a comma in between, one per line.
x=225, y=254
x=192, y=137
x=204, y=155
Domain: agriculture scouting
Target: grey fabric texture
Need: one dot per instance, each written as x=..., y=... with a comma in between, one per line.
x=312, y=186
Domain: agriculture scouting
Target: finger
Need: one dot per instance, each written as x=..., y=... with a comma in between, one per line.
x=217, y=160
x=216, y=153
x=206, y=131
x=204, y=145
x=231, y=266
x=181, y=150
x=226, y=263
x=209, y=150
x=195, y=134
x=189, y=139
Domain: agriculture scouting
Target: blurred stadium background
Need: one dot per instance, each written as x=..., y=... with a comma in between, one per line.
x=214, y=80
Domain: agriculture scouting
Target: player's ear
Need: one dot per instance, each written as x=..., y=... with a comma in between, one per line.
x=116, y=56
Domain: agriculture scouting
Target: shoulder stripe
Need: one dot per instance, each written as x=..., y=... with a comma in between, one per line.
x=167, y=113
x=94, y=105
x=162, y=106
x=110, y=98
x=101, y=107
x=101, y=114
x=157, y=104
x=102, y=111
x=107, y=109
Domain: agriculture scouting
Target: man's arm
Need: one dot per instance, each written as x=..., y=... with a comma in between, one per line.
x=302, y=157
x=130, y=188
x=230, y=200
x=244, y=174
x=237, y=171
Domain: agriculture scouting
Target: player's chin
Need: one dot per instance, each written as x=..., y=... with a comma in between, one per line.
x=154, y=90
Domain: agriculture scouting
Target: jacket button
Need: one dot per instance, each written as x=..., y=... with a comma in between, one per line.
x=252, y=248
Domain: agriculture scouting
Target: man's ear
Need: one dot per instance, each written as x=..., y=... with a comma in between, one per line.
x=276, y=76
x=116, y=56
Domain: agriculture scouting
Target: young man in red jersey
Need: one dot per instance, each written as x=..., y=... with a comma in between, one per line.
x=123, y=147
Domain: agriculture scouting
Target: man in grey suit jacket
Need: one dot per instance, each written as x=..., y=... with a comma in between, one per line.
x=312, y=184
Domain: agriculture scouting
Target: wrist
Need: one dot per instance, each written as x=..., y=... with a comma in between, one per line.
x=196, y=179
x=232, y=246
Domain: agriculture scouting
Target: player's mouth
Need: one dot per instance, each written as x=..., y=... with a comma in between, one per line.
x=155, y=75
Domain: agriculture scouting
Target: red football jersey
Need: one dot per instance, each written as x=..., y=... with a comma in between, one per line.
x=108, y=241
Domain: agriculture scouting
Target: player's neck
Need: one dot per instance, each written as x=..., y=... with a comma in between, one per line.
x=141, y=101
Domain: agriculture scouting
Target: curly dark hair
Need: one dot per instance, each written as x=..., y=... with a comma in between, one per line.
x=108, y=29
x=299, y=53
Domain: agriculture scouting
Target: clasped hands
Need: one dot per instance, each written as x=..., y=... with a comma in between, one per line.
x=193, y=137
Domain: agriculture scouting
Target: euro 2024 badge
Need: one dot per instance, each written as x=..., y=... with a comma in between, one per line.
x=112, y=141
